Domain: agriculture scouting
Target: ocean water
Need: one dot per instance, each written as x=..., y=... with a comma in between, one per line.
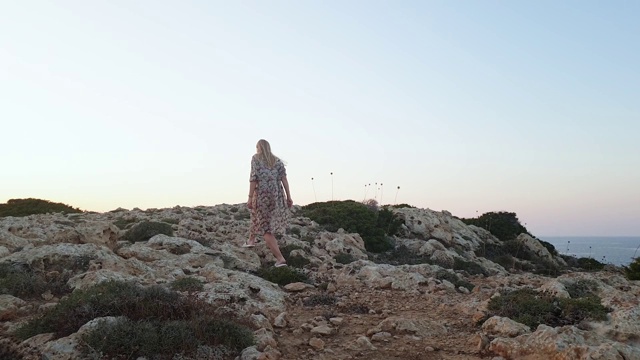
x=616, y=250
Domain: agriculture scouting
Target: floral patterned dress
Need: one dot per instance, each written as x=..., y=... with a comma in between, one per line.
x=269, y=213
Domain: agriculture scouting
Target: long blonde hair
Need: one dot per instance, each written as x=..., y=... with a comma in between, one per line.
x=264, y=153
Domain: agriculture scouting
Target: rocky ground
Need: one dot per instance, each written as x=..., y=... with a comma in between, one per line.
x=361, y=310
x=434, y=328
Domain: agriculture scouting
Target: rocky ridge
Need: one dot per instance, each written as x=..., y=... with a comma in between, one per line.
x=362, y=309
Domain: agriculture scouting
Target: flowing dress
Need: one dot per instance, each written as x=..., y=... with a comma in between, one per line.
x=269, y=213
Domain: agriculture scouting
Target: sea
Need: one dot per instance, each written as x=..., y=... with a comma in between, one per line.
x=616, y=250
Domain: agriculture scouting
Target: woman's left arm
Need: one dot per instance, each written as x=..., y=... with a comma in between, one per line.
x=253, y=182
x=285, y=183
x=252, y=190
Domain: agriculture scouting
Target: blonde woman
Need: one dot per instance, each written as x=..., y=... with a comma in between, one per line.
x=269, y=199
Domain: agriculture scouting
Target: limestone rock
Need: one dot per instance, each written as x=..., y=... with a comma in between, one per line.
x=412, y=326
x=363, y=343
x=9, y=307
x=260, y=321
x=316, y=343
x=381, y=336
x=323, y=330
x=250, y=353
x=555, y=288
x=280, y=320
x=504, y=327
x=562, y=343
x=264, y=338
x=297, y=287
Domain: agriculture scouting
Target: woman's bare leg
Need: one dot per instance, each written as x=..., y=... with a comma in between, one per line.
x=252, y=239
x=272, y=243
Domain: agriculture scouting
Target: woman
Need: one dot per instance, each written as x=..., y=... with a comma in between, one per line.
x=267, y=200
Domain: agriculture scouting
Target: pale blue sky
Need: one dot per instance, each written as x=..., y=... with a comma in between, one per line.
x=523, y=106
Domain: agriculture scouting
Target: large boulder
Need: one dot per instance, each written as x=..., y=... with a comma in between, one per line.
x=567, y=342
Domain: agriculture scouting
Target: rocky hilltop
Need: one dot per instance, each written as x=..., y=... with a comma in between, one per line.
x=431, y=297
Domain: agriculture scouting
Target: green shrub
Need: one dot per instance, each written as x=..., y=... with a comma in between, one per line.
x=582, y=288
x=354, y=309
x=26, y=207
x=123, y=223
x=549, y=246
x=513, y=255
x=545, y=267
x=576, y=310
x=454, y=279
x=112, y=298
x=344, y=258
x=146, y=230
x=401, y=255
x=320, y=300
x=310, y=238
x=161, y=340
x=470, y=267
x=282, y=275
x=297, y=261
x=633, y=270
x=188, y=284
x=532, y=308
x=28, y=282
x=583, y=264
x=503, y=225
x=374, y=226
x=401, y=206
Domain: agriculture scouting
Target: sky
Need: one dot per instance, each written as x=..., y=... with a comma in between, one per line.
x=466, y=106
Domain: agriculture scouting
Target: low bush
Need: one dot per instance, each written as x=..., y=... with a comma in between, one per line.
x=344, y=258
x=26, y=281
x=470, y=267
x=402, y=206
x=161, y=340
x=533, y=308
x=297, y=261
x=633, y=270
x=583, y=264
x=282, y=275
x=26, y=207
x=319, y=300
x=110, y=298
x=512, y=255
x=146, y=230
x=401, y=255
x=123, y=224
x=503, y=225
x=355, y=309
x=373, y=225
x=582, y=288
x=549, y=246
x=454, y=279
x=187, y=284
x=152, y=321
